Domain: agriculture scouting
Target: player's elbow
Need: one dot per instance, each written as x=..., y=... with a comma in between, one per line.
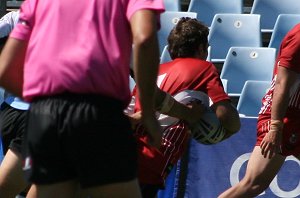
x=229, y=116
x=145, y=40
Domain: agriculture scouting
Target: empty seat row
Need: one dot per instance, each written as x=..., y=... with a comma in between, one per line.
x=206, y=9
x=247, y=63
x=269, y=10
x=244, y=30
x=229, y=30
x=283, y=24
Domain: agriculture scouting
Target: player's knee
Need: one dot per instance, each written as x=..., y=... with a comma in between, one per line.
x=3, y=183
x=253, y=187
x=7, y=190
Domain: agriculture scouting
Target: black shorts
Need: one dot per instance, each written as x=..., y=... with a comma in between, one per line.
x=81, y=137
x=13, y=123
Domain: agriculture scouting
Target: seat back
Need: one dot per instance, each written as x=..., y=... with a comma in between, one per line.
x=228, y=30
x=247, y=63
x=1, y=100
x=206, y=9
x=249, y=102
x=284, y=23
x=168, y=20
x=224, y=83
x=165, y=56
x=172, y=5
x=2, y=93
x=270, y=9
x=131, y=83
x=1, y=150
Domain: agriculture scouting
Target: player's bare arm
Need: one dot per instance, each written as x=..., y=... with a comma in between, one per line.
x=146, y=61
x=191, y=113
x=228, y=117
x=11, y=67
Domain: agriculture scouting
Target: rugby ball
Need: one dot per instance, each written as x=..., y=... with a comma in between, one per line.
x=209, y=129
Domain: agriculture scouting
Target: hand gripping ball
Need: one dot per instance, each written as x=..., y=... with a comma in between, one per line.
x=209, y=129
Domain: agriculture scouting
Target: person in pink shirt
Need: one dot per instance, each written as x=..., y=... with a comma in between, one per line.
x=70, y=60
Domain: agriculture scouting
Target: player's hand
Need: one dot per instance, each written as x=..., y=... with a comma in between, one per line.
x=135, y=119
x=271, y=144
x=154, y=130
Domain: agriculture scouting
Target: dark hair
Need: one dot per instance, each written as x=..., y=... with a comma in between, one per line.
x=186, y=37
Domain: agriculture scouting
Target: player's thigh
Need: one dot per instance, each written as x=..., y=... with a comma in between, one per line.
x=128, y=189
x=68, y=189
x=261, y=169
x=11, y=173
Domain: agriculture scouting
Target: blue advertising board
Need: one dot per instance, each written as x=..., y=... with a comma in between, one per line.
x=211, y=169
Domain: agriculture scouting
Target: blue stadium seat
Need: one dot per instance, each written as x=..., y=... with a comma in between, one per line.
x=1, y=100
x=172, y=5
x=131, y=83
x=206, y=9
x=283, y=24
x=249, y=102
x=247, y=63
x=208, y=54
x=168, y=20
x=224, y=82
x=1, y=95
x=165, y=56
x=1, y=150
x=229, y=30
x=270, y=9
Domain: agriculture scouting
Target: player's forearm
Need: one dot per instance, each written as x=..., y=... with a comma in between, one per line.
x=283, y=86
x=145, y=57
x=280, y=102
x=146, y=74
x=175, y=108
x=11, y=66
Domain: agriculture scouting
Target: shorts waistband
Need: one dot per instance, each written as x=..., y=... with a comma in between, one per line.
x=83, y=97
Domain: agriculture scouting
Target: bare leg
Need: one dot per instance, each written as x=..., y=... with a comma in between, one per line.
x=32, y=192
x=67, y=189
x=12, y=180
x=124, y=189
x=71, y=190
x=259, y=174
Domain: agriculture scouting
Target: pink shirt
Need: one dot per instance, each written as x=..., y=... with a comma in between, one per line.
x=78, y=46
